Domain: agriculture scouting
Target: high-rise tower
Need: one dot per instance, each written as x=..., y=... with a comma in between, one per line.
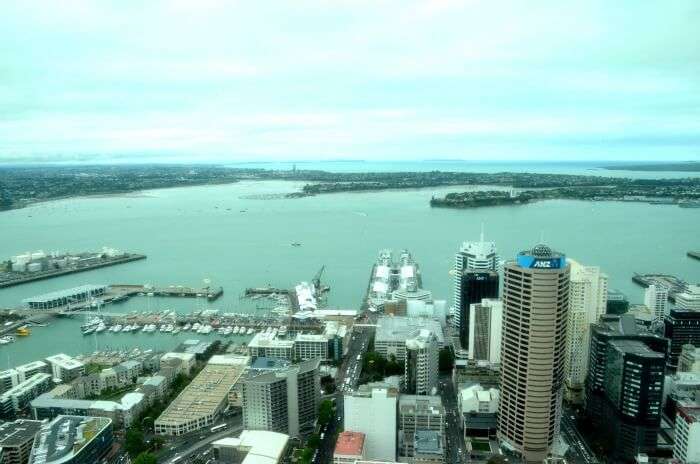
x=535, y=312
x=475, y=256
x=588, y=290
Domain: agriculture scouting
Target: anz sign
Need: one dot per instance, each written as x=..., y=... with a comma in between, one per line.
x=531, y=262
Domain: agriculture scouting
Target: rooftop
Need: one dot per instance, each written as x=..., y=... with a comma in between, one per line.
x=32, y=365
x=229, y=360
x=350, y=444
x=420, y=404
x=428, y=442
x=399, y=329
x=635, y=347
x=263, y=447
x=66, y=436
x=690, y=413
x=47, y=297
x=65, y=361
x=264, y=363
x=267, y=340
x=204, y=395
x=18, y=432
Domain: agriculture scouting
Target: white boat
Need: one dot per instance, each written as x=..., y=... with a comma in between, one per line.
x=186, y=327
x=228, y=330
x=7, y=339
x=145, y=328
x=196, y=327
x=206, y=329
x=236, y=330
x=116, y=328
x=251, y=331
x=135, y=327
x=221, y=330
x=126, y=328
x=101, y=328
x=176, y=330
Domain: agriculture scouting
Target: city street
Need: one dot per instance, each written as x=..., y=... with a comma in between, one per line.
x=579, y=452
x=454, y=441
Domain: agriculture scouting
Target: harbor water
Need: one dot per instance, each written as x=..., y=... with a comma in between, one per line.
x=241, y=235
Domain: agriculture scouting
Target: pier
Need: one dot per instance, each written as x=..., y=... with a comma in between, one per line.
x=265, y=291
x=694, y=254
x=672, y=283
x=9, y=279
x=210, y=293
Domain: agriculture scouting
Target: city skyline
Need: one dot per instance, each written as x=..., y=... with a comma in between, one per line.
x=219, y=82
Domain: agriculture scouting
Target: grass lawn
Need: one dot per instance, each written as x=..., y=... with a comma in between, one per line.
x=481, y=446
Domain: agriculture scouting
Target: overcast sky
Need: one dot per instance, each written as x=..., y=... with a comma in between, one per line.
x=210, y=80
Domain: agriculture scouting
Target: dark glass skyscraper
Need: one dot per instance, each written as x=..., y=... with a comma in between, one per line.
x=681, y=327
x=476, y=285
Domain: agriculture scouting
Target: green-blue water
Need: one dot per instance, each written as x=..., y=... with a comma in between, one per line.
x=194, y=233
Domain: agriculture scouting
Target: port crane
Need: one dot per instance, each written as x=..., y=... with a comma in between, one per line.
x=316, y=281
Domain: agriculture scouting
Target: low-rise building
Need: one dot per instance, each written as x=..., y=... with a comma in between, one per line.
x=429, y=447
x=19, y=396
x=16, y=440
x=689, y=360
x=72, y=440
x=184, y=362
x=122, y=413
x=392, y=332
x=349, y=447
x=418, y=413
x=25, y=371
x=65, y=368
x=311, y=346
x=686, y=447
x=252, y=447
x=8, y=379
x=373, y=411
x=478, y=407
x=264, y=345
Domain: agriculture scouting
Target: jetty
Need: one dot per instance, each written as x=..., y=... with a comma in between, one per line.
x=674, y=284
x=694, y=254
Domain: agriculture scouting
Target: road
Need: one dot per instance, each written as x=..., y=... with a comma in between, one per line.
x=454, y=440
x=579, y=452
x=191, y=443
x=346, y=380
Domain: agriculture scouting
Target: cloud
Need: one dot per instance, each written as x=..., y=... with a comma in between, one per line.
x=312, y=79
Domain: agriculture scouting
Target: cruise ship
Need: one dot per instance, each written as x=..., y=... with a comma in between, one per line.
x=389, y=275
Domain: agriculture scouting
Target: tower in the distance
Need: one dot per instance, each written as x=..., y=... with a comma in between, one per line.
x=533, y=348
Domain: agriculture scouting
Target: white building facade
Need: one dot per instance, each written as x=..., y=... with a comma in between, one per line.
x=588, y=298
x=373, y=412
x=656, y=299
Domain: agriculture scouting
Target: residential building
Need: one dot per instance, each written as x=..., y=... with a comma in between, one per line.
x=479, y=407
x=73, y=440
x=284, y=400
x=479, y=256
x=476, y=286
x=421, y=364
x=203, y=400
x=373, y=412
x=311, y=346
x=392, y=332
x=264, y=345
x=18, y=397
x=689, y=299
x=122, y=413
x=485, y=330
x=418, y=414
x=681, y=327
x=16, y=440
x=656, y=299
x=25, y=371
x=185, y=361
x=634, y=390
x=8, y=379
x=588, y=295
x=680, y=388
x=535, y=314
x=349, y=447
x=689, y=360
x=252, y=447
x=686, y=446
x=65, y=368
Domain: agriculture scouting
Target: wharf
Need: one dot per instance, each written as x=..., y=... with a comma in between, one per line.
x=694, y=254
x=18, y=279
x=210, y=293
x=672, y=283
x=266, y=291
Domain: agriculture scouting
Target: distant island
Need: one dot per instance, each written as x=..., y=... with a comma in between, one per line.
x=25, y=185
x=682, y=166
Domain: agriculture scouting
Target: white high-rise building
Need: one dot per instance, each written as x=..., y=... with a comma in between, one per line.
x=689, y=299
x=485, y=330
x=373, y=412
x=421, y=365
x=656, y=299
x=686, y=447
x=588, y=297
x=481, y=255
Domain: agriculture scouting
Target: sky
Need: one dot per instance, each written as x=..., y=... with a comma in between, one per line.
x=181, y=80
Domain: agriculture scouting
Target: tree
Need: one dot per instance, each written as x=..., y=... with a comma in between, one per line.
x=325, y=412
x=133, y=442
x=145, y=458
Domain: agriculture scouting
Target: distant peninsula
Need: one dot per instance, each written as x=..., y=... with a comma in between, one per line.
x=682, y=166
